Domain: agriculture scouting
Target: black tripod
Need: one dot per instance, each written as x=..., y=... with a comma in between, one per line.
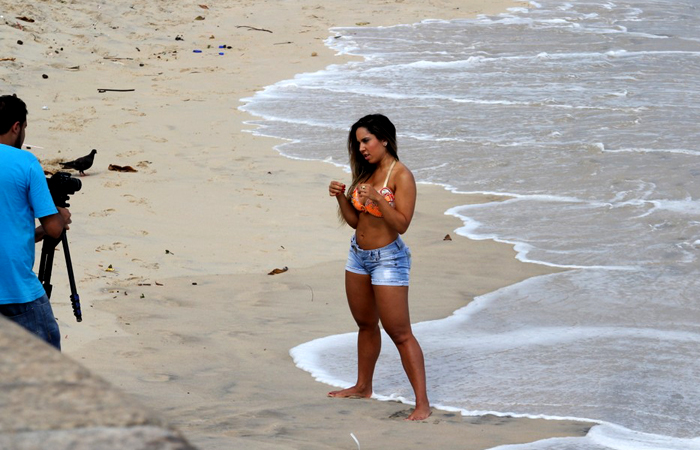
x=46, y=264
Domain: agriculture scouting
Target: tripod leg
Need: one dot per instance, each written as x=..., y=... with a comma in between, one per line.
x=46, y=263
x=74, y=297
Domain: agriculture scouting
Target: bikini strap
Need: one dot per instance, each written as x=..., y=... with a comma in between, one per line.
x=389, y=174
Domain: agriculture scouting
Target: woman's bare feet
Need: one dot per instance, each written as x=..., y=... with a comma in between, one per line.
x=353, y=392
x=420, y=413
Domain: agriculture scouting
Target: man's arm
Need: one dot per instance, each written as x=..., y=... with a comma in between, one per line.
x=53, y=225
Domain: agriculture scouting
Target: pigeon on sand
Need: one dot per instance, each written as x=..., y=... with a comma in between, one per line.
x=81, y=164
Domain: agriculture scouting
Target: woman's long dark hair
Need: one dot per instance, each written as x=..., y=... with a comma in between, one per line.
x=382, y=128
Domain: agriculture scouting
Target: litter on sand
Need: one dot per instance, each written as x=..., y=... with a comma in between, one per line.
x=356, y=441
x=117, y=168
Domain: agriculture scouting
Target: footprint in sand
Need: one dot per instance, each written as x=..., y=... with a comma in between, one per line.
x=145, y=265
x=103, y=213
x=114, y=246
x=146, y=165
x=158, y=377
x=76, y=120
x=135, y=200
x=401, y=414
x=177, y=338
x=129, y=153
x=122, y=125
x=156, y=139
x=134, y=112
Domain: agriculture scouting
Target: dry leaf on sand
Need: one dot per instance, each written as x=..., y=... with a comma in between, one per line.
x=276, y=271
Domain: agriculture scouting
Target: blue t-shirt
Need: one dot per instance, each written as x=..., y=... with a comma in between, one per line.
x=24, y=197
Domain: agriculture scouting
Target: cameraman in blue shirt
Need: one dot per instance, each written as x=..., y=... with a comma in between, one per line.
x=24, y=197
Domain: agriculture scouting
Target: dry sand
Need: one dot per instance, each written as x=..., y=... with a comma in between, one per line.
x=188, y=321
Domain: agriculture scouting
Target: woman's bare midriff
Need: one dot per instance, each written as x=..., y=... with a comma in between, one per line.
x=372, y=232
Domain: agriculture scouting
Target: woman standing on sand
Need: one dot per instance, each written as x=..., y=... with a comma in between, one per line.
x=379, y=205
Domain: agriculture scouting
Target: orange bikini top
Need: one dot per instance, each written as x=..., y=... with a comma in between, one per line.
x=371, y=206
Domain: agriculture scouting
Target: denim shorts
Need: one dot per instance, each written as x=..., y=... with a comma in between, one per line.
x=387, y=266
x=37, y=317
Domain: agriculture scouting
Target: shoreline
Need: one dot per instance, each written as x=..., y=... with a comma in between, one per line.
x=188, y=322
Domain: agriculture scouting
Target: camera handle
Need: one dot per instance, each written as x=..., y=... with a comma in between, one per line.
x=46, y=264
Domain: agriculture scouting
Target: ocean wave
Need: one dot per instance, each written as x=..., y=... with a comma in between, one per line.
x=680, y=151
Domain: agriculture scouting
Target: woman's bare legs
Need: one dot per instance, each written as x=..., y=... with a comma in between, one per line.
x=368, y=305
x=392, y=305
x=363, y=307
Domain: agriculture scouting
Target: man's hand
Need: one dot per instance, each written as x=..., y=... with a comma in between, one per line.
x=65, y=214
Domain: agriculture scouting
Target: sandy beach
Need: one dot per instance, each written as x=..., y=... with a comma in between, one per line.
x=172, y=260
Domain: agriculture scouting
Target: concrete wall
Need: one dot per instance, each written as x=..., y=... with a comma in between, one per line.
x=48, y=401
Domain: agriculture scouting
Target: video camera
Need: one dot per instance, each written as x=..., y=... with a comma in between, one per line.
x=61, y=186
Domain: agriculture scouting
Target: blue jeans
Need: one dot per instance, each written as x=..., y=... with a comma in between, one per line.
x=37, y=317
x=387, y=266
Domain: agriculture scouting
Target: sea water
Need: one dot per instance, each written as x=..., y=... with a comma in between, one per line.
x=585, y=116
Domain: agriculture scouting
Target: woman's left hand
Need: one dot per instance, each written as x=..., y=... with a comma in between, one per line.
x=367, y=192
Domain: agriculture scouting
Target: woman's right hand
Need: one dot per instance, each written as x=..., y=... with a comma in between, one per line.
x=336, y=188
